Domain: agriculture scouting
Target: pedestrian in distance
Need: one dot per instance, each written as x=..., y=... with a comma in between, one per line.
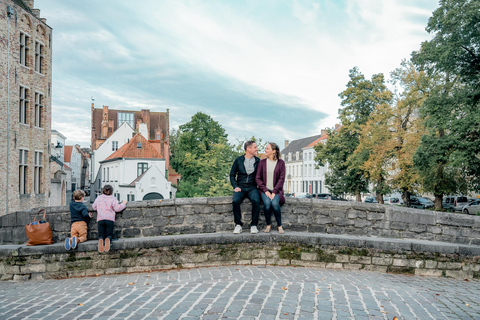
x=270, y=178
x=106, y=205
x=242, y=178
x=79, y=217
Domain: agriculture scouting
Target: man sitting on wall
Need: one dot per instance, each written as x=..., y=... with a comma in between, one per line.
x=242, y=178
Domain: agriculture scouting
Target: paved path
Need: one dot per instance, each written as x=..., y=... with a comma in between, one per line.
x=243, y=292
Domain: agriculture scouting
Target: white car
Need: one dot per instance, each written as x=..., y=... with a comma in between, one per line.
x=472, y=208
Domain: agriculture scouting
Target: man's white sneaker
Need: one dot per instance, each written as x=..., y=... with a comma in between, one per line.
x=238, y=229
x=253, y=229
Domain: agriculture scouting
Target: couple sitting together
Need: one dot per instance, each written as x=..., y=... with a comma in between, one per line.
x=252, y=178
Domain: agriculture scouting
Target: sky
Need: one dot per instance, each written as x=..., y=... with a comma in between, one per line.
x=272, y=69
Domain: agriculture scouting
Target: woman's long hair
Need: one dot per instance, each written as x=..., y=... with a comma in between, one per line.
x=276, y=150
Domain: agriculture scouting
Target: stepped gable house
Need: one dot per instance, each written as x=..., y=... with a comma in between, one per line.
x=25, y=106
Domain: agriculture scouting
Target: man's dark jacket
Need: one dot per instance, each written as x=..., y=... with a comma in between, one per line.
x=239, y=176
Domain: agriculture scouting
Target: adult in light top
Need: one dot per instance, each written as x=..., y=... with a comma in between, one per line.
x=270, y=178
x=106, y=205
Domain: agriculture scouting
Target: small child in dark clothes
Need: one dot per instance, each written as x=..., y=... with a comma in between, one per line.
x=79, y=218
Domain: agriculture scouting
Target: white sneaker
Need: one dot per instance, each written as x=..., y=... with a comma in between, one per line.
x=253, y=229
x=238, y=229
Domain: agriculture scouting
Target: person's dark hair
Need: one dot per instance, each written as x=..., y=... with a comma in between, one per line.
x=248, y=144
x=78, y=194
x=276, y=149
x=107, y=190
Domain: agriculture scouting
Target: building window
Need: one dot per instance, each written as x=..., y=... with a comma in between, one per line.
x=141, y=168
x=125, y=117
x=22, y=172
x=104, y=175
x=38, y=172
x=108, y=175
x=23, y=107
x=114, y=145
x=38, y=109
x=38, y=56
x=130, y=197
x=24, y=39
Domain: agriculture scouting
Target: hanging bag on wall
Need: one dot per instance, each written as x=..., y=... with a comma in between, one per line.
x=39, y=231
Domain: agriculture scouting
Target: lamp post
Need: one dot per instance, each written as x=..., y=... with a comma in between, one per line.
x=10, y=13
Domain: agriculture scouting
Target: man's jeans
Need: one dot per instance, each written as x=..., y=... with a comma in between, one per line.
x=272, y=205
x=253, y=195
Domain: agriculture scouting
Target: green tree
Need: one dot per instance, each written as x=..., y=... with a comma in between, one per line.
x=345, y=167
x=447, y=157
x=202, y=155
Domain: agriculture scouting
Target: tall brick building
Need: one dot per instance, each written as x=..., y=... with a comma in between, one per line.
x=25, y=106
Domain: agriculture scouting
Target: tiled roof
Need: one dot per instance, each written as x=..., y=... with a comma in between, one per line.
x=132, y=184
x=67, y=167
x=131, y=150
x=67, y=153
x=298, y=145
x=317, y=141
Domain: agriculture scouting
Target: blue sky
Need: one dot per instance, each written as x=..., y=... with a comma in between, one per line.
x=271, y=68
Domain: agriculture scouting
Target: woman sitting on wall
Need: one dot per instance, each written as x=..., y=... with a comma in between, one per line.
x=270, y=178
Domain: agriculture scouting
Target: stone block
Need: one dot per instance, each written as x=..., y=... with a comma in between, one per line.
x=362, y=223
x=342, y=258
x=21, y=277
x=360, y=259
x=417, y=228
x=131, y=232
x=145, y=261
x=310, y=264
x=227, y=200
x=223, y=208
x=376, y=268
x=449, y=265
x=375, y=216
x=395, y=225
x=334, y=265
x=455, y=219
x=353, y=266
x=115, y=270
x=6, y=235
x=130, y=213
x=196, y=219
x=190, y=201
x=307, y=256
x=9, y=220
x=428, y=272
x=355, y=214
x=382, y=261
x=459, y=274
x=316, y=229
x=400, y=262
x=29, y=268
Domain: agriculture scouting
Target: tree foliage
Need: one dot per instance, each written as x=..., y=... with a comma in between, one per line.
x=447, y=158
x=202, y=155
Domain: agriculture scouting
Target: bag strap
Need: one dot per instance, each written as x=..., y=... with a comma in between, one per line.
x=44, y=213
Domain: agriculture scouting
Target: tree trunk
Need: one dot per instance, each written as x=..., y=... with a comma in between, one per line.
x=438, y=202
x=358, y=196
x=406, y=197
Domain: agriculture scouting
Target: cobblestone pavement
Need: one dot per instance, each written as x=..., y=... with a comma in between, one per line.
x=243, y=292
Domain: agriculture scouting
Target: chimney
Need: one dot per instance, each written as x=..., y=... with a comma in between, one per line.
x=286, y=143
x=36, y=12
x=143, y=130
x=323, y=132
x=29, y=3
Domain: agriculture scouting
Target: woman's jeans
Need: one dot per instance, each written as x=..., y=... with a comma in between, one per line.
x=272, y=205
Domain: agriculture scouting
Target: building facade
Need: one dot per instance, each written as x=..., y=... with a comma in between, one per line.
x=313, y=177
x=60, y=177
x=25, y=106
x=136, y=172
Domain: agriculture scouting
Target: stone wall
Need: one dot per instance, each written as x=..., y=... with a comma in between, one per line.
x=210, y=215
x=204, y=250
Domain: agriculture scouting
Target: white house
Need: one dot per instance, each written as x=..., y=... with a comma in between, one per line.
x=121, y=136
x=136, y=172
x=73, y=159
x=292, y=154
x=60, y=174
x=313, y=179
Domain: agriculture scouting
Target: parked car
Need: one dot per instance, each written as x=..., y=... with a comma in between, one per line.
x=454, y=203
x=338, y=198
x=391, y=200
x=323, y=196
x=472, y=208
x=421, y=203
x=289, y=195
x=472, y=199
x=303, y=195
x=370, y=199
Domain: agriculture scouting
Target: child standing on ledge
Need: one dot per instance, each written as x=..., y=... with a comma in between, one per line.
x=106, y=205
x=79, y=216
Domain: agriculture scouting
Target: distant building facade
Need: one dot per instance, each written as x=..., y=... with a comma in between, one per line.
x=25, y=106
x=60, y=176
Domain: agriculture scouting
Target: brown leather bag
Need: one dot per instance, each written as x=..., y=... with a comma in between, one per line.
x=39, y=232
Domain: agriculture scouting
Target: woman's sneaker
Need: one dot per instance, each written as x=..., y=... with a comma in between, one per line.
x=238, y=229
x=100, y=245
x=107, y=245
x=67, y=244
x=74, y=242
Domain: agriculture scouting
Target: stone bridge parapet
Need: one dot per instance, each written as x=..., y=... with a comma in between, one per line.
x=214, y=215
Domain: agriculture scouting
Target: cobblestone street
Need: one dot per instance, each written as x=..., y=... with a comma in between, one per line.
x=243, y=292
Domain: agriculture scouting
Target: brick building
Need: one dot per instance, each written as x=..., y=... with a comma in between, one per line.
x=25, y=106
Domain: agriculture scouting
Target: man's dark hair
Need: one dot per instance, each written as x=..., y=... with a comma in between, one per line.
x=248, y=144
x=107, y=190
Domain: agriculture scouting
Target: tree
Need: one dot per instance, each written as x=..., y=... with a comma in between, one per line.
x=202, y=155
x=259, y=141
x=359, y=100
x=447, y=158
